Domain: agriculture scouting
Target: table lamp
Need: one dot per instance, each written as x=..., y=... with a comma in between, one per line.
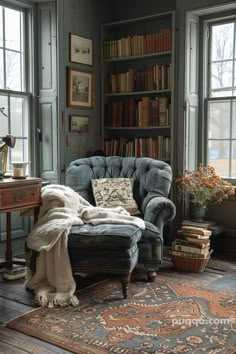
x=9, y=141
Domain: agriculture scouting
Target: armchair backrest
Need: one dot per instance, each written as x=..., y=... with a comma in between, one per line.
x=151, y=177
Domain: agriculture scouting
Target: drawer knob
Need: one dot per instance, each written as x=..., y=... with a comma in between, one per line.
x=18, y=197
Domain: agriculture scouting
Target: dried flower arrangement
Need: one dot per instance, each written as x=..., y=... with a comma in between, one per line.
x=204, y=186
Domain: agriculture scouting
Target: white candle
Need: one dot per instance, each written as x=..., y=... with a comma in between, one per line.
x=18, y=171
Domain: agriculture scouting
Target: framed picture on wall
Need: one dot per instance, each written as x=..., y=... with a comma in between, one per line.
x=78, y=124
x=80, y=50
x=80, y=88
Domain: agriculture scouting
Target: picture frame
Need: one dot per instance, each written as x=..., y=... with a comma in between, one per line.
x=78, y=124
x=80, y=88
x=81, y=49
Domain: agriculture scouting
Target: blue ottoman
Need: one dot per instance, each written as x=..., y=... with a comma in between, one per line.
x=104, y=248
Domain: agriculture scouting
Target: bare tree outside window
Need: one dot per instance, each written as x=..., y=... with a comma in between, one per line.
x=222, y=60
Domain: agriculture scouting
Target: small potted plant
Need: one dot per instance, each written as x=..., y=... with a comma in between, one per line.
x=204, y=187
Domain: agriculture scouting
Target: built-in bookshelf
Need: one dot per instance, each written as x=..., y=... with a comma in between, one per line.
x=137, y=87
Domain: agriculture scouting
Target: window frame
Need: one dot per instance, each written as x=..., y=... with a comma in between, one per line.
x=27, y=66
x=206, y=26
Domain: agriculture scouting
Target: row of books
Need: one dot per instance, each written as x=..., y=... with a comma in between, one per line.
x=156, y=148
x=157, y=77
x=138, y=45
x=146, y=112
x=192, y=242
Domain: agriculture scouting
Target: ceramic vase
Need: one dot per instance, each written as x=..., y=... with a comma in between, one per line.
x=198, y=212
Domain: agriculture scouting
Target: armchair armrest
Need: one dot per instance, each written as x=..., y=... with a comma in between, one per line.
x=159, y=211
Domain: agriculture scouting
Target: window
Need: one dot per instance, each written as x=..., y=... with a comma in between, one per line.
x=14, y=91
x=221, y=98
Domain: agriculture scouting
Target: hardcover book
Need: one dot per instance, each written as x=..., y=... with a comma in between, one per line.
x=196, y=230
x=199, y=224
x=183, y=233
x=185, y=248
x=200, y=244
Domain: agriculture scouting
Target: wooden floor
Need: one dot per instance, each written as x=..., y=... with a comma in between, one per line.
x=15, y=301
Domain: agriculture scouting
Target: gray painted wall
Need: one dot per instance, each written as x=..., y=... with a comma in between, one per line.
x=83, y=17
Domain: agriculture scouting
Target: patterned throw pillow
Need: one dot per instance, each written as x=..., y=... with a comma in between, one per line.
x=112, y=192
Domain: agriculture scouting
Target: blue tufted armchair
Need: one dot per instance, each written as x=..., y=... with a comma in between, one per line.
x=152, y=181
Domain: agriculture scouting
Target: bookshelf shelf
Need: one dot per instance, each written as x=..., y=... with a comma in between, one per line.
x=137, y=93
x=137, y=85
x=136, y=20
x=137, y=57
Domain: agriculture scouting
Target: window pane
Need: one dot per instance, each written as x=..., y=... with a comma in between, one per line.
x=221, y=77
x=234, y=77
x=1, y=28
x=12, y=29
x=26, y=155
x=234, y=120
x=1, y=70
x=13, y=71
x=222, y=41
x=17, y=154
x=19, y=114
x=3, y=114
x=223, y=93
x=233, y=159
x=16, y=116
x=218, y=156
x=219, y=120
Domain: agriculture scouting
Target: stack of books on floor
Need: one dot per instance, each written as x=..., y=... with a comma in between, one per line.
x=191, y=249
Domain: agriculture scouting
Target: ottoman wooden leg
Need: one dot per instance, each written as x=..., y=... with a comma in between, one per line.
x=125, y=279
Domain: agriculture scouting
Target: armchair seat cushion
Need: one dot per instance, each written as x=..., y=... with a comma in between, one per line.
x=104, y=236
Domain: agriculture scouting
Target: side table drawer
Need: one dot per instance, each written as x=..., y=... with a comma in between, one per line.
x=21, y=196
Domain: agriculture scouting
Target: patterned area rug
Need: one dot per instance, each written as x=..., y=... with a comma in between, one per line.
x=167, y=316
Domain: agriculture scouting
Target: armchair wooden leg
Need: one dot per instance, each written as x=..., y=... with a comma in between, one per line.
x=151, y=275
x=125, y=279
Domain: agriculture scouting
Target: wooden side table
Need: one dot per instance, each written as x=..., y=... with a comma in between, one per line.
x=217, y=239
x=18, y=194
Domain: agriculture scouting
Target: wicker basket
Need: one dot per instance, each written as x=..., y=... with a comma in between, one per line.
x=185, y=264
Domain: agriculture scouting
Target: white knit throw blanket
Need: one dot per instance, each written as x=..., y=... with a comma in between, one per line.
x=53, y=282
